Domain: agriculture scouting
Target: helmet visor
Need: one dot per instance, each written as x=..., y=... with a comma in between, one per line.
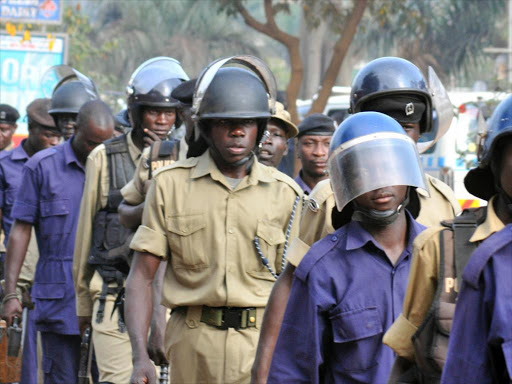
x=371, y=162
x=153, y=72
x=58, y=75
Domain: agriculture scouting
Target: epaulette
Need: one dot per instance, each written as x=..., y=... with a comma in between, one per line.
x=444, y=190
x=186, y=163
x=317, y=252
x=484, y=252
x=278, y=175
x=33, y=162
x=319, y=195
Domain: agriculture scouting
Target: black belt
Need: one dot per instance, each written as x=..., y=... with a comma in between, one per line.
x=229, y=317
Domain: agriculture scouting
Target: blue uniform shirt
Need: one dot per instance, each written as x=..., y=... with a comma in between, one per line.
x=480, y=349
x=11, y=164
x=302, y=184
x=49, y=198
x=345, y=295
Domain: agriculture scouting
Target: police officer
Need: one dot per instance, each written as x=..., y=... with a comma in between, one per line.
x=8, y=118
x=102, y=253
x=479, y=349
x=67, y=100
x=49, y=201
x=420, y=335
x=336, y=313
x=216, y=221
x=315, y=133
x=382, y=79
x=11, y=165
x=280, y=129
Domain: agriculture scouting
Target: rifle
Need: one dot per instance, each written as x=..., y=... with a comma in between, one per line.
x=84, y=366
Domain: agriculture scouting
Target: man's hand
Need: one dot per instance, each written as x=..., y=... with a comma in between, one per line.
x=150, y=137
x=144, y=372
x=83, y=323
x=156, y=350
x=11, y=308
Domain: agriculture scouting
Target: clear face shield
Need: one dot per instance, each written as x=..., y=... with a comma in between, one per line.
x=371, y=162
x=152, y=72
x=58, y=75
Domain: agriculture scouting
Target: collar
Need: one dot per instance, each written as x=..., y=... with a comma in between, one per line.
x=358, y=237
x=491, y=224
x=69, y=154
x=206, y=165
x=133, y=150
x=302, y=184
x=19, y=153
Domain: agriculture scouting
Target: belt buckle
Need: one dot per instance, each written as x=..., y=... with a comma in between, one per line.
x=231, y=318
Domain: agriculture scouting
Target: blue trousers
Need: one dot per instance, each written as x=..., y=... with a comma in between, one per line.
x=61, y=356
x=29, y=362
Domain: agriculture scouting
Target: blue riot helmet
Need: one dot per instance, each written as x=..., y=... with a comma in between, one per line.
x=369, y=151
x=397, y=87
x=151, y=85
x=482, y=181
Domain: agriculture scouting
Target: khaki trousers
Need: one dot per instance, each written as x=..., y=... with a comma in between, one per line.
x=200, y=353
x=112, y=348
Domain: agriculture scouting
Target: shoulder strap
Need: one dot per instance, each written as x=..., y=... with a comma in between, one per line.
x=463, y=227
x=153, y=155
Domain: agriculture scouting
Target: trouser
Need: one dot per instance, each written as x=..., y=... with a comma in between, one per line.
x=29, y=362
x=201, y=353
x=112, y=347
x=61, y=356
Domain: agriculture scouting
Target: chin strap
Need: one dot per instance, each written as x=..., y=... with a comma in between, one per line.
x=376, y=217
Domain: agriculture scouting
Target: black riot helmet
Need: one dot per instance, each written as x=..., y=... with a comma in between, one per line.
x=234, y=92
x=390, y=77
x=151, y=85
x=69, y=98
x=483, y=181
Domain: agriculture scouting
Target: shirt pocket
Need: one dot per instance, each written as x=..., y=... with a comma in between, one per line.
x=357, y=337
x=186, y=241
x=10, y=196
x=271, y=242
x=55, y=217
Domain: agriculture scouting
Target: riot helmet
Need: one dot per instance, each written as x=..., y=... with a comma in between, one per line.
x=397, y=87
x=151, y=85
x=234, y=93
x=369, y=151
x=483, y=181
x=69, y=98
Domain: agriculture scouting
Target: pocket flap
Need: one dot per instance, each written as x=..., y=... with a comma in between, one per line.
x=355, y=325
x=186, y=225
x=49, y=290
x=271, y=233
x=54, y=207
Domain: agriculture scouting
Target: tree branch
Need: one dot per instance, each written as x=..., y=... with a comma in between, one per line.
x=339, y=52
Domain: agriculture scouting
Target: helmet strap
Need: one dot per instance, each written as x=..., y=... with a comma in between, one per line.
x=378, y=218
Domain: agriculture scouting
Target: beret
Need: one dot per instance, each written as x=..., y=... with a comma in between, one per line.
x=184, y=92
x=402, y=108
x=317, y=124
x=8, y=114
x=37, y=111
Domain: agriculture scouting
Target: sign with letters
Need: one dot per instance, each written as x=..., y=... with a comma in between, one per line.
x=22, y=64
x=31, y=11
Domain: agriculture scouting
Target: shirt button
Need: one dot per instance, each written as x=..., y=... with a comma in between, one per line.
x=230, y=230
x=369, y=325
x=334, y=238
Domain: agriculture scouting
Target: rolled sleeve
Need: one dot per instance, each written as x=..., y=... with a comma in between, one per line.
x=131, y=194
x=398, y=337
x=151, y=236
x=296, y=252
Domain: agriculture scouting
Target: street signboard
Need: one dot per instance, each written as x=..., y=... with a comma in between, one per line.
x=31, y=11
x=22, y=65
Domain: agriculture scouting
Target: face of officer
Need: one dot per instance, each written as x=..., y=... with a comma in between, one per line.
x=383, y=199
x=233, y=139
x=6, y=132
x=275, y=147
x=66, y=122
x=40, y=138
x=313, y=152
x=412, y=130
x=159, y=120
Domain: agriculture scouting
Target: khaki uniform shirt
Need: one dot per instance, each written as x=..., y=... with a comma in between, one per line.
x=134, y=192
x=423, y=282
x=96, y=188
x=206, y=230
x=316, y=220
